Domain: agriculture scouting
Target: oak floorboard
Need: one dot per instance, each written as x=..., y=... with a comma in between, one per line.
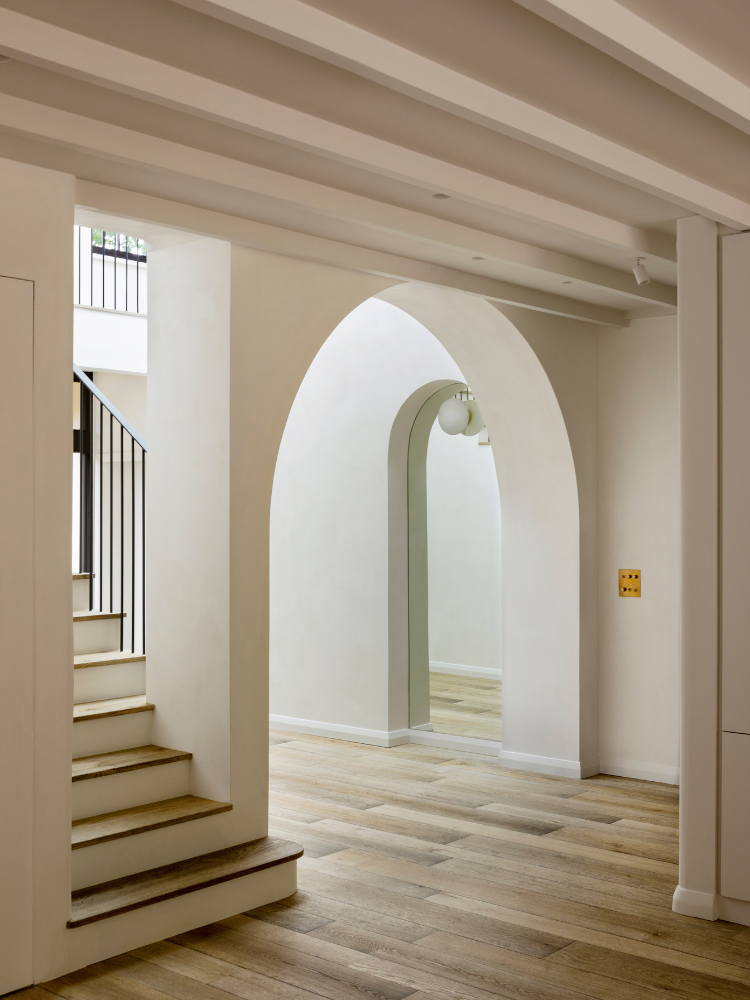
x=440, y=875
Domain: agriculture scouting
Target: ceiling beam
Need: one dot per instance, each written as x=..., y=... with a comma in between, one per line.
x=206, y=222
x=85, y=134
x=632, y=40
x=85, y=58
x=311, y=30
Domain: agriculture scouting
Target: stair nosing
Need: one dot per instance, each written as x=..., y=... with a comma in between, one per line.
x=288, y=851
x=97, y=616
x=119, y=658
x=177, y=755
x=216, y=809
x=112, y=713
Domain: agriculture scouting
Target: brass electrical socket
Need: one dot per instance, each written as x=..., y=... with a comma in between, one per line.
x=630, y=583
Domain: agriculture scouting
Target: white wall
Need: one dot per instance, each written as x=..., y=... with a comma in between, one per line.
x=639, y=529
x=329, y=519
x=128, y=393
x=36, y=217
x=110, y=341
x=187, y=541
x=463, y=545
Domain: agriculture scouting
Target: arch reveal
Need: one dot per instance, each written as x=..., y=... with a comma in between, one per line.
x=540, y=537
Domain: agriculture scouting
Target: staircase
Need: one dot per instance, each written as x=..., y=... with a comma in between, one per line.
x=129, y=794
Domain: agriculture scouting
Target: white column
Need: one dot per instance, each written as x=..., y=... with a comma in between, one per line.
x=698, y=322
x=187, y=488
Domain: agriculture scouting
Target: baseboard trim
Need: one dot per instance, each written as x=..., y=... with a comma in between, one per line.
x=663, y=773
x=735, y=910
x=692, y=903
x=354, y=734
x=547, y=765
x=446, y=741
x=464, y=670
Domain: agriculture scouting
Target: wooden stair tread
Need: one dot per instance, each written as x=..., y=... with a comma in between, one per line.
x=95, y=616
x=83, y=576
x=111, y=707
x=140, y=819
x=97, y=902
x=105, y=659
x=116, y=761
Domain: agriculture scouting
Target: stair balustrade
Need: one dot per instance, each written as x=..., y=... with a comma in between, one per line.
x=110, y=512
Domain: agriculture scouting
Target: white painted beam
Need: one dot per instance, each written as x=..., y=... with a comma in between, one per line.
x=634, y=41
x=206, y=222
x=308, y=29
x=64, y=51
x=113, y=141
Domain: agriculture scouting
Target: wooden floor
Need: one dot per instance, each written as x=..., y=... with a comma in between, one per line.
x=441, y=876
x=466, y=706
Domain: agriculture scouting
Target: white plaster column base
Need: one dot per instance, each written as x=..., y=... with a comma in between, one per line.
x=692, y=903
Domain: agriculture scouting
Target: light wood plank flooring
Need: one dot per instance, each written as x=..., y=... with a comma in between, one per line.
x=466, y=706
x=438, y=875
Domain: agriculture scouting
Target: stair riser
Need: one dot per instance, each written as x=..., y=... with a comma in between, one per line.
x=116, y=680
x=129, y=855
x=130, y=788
x=119, y=732
x=81, y=594
x=96, y=636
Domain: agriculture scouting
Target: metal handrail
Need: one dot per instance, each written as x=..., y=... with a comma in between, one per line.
x=121, y=561
x=83, y=377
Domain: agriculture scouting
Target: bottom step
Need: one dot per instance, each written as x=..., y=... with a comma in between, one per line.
x=98, y=902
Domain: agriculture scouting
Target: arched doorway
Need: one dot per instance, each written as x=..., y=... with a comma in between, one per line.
x=540, y=550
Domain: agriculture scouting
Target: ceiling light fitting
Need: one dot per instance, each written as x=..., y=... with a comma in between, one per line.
x=442, y=197
x=640, y=273
x=461, y=416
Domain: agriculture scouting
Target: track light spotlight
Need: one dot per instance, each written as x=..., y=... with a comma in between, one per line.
x=640, y=273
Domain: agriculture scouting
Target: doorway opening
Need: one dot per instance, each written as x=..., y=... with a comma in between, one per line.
x=464, y=604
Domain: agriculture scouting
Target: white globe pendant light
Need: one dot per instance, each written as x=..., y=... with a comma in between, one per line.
x=475, y=419
x=453, y=416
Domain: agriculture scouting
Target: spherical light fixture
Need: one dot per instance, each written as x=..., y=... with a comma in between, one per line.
x=453, y=416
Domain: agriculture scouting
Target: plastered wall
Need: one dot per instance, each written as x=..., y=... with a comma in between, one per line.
x=36, y=219
x=329, y=520
x=464, y=555
x=639, y=523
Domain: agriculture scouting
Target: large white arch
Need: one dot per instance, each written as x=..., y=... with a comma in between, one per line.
x=539, y=498
x=540, y=548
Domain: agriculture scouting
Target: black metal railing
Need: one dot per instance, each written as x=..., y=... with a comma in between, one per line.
x=110, y=270
x=110, y=511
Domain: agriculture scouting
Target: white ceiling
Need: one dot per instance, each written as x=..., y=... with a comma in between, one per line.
x=568, y=137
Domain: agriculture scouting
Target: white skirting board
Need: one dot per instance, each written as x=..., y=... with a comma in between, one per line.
x=664, y=773
x=548, y=765
x=506, y=758
x=375, y=737
x=465, y=670
x=710, y=906
x=468, y=744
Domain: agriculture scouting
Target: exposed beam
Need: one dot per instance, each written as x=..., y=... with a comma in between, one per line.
x=634, y=41
x=316, y=32
x=64, y=51
x=113, y=141
x=205, y=222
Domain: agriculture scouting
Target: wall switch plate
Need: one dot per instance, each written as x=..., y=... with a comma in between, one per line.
x=630, y=583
